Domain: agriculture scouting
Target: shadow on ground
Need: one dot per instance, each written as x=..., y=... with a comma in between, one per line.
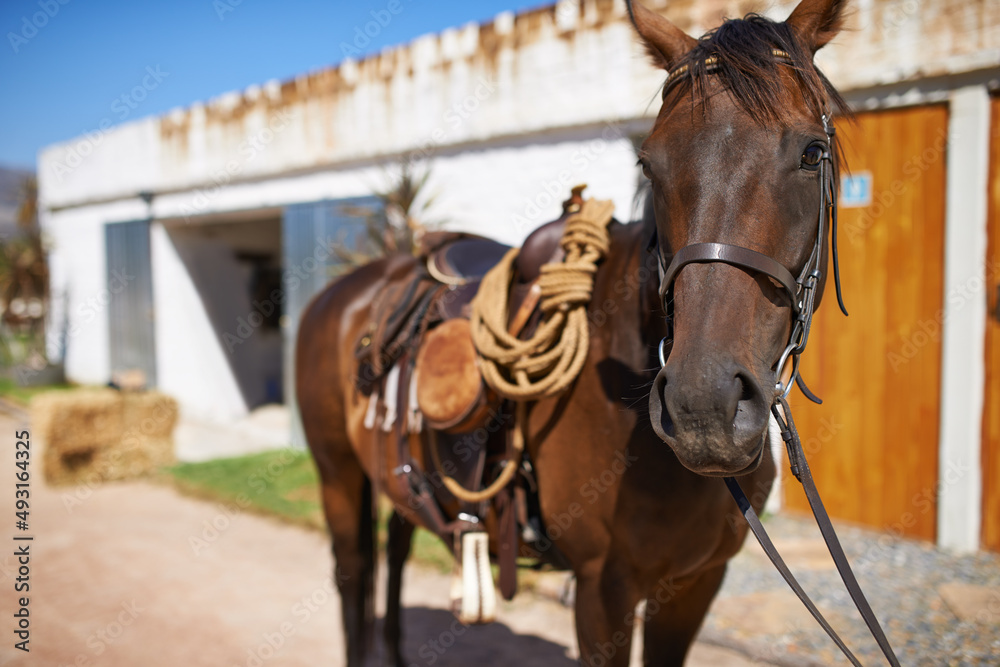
x=436, y=637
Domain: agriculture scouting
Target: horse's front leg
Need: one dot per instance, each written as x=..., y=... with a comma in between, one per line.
x=606, y=596
x=398, y=550
x=674, y=613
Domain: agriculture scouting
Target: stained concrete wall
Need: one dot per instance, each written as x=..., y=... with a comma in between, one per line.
x=571, y=64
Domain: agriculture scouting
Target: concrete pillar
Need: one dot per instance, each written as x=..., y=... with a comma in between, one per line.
x=962, y=348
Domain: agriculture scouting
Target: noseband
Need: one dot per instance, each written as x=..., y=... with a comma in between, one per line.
x=801, y=291
x=802, y=294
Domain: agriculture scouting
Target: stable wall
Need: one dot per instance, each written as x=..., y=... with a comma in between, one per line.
x=501, y=189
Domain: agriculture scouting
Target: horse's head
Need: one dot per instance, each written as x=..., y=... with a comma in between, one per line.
x=740, y=164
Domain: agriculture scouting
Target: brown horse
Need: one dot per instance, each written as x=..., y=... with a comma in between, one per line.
x=733, y=159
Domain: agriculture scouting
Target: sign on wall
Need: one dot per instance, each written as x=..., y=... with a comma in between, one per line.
x=856, y=190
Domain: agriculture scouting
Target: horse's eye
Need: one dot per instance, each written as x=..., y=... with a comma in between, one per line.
x=645, y=168
x=812, y=157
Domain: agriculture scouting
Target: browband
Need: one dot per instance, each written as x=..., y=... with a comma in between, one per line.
x=712, y=63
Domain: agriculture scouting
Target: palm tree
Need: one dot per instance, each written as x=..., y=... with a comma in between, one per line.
x=398, y=224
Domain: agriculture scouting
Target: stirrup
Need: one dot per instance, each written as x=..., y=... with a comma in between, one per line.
x=473, y=593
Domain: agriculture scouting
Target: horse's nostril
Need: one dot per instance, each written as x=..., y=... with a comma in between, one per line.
x=747, y=392
x=667, y=424
x=666, y=420
x=749, y=406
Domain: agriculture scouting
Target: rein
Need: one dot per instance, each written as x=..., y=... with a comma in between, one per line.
x=802, y=293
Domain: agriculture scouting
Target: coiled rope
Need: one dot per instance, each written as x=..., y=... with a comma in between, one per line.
x=545, y=364
x=550, y=360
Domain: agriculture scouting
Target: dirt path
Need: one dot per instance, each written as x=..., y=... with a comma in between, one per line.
x=135, y=574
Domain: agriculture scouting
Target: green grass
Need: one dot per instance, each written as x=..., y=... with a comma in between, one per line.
x=283, y=483
x=12, y=391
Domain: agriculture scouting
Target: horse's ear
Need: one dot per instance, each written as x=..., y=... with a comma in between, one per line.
x=665, y=42
x=816, y=22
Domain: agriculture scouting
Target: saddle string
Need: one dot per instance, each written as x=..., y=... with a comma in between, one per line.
x=507, y=473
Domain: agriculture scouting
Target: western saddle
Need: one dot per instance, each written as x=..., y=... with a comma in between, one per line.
x=419, y=369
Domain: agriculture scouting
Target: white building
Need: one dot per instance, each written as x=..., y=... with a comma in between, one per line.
x=172, y=233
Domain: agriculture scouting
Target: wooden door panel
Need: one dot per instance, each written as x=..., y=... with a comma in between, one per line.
x=873, y=444
x=991, y=406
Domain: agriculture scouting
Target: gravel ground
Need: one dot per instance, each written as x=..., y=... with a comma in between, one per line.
x=920, y=594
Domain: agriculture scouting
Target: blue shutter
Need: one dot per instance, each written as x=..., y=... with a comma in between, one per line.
x=130, y=293
x=306, y=228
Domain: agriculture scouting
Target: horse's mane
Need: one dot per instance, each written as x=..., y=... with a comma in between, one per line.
x=747, y=68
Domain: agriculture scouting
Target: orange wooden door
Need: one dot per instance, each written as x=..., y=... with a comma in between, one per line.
x=991, y=406
x=873, y=444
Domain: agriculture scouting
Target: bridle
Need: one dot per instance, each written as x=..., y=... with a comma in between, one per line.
x=801, y=291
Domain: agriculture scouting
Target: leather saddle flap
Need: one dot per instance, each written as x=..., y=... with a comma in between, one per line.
x=450, y=389
x=396, y=318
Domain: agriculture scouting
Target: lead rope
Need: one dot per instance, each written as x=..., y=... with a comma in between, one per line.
x=800, y=468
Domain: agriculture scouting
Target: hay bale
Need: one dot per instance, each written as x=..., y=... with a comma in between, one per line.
x=95, y=435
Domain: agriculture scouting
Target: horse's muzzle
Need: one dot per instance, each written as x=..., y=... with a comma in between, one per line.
x=715, y=418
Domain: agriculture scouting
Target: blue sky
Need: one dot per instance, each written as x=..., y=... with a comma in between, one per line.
x=65, y=65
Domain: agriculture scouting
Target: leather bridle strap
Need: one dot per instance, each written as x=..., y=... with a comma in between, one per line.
x=772, y=552
x=800, y=468
x=729, y=254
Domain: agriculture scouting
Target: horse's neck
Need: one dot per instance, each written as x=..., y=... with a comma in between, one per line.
x=628, y=295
